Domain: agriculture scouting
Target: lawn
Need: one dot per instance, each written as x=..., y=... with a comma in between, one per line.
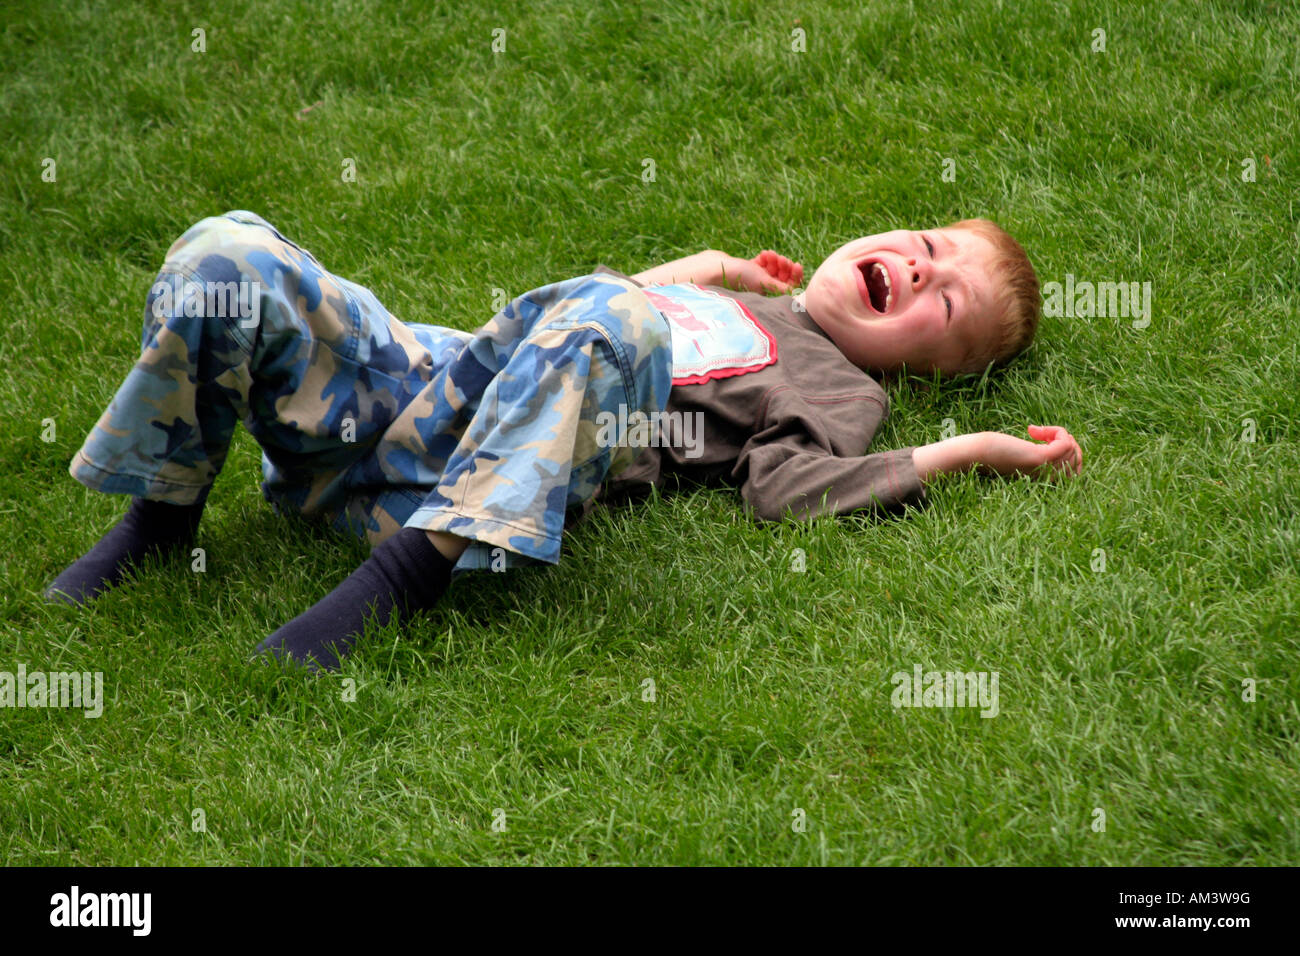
x=1142, y=618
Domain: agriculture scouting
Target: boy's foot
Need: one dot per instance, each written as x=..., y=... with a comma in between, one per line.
x=149, y=527
x=403, y=575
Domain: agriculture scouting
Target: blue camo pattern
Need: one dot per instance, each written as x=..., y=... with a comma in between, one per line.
x=368, y=422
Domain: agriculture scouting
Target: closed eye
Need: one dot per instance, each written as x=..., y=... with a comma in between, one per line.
x=947, y=303
x=929, y=246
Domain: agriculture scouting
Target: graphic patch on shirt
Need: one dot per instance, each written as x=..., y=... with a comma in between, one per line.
x=714, y=336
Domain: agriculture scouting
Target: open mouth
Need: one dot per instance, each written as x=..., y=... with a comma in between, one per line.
x=877, y=286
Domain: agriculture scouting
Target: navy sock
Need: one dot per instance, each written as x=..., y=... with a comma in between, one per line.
x=403, y=575
x=149, y=527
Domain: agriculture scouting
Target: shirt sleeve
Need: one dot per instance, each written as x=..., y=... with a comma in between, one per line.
x=791, y=464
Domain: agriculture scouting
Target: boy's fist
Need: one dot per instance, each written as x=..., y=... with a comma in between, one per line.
x=766, y=272
x=780, y=268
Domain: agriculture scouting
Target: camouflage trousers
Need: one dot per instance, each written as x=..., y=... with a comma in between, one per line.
x=371, y=423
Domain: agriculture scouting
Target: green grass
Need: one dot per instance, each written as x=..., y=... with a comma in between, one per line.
x=1119, y=690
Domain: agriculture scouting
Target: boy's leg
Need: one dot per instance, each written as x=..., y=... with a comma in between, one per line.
x=241, y=324
x=339, y=399
x=149, y=528
x=591, y=354
x=547, y=387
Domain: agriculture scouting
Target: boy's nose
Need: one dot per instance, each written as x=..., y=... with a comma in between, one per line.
x=918, y=273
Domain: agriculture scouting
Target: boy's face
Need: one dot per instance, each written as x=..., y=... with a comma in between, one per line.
x=922, y=298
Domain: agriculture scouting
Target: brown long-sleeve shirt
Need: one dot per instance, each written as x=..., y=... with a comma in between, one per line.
x=791, y=435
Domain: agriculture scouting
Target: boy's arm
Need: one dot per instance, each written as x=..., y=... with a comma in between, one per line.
x=996, y=453
x=779, y=477
x=766, y=272
x=787, y=467
x=800, y=460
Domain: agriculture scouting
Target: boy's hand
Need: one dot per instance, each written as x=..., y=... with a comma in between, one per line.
x=788, y=274
x=1007, y=455
x=766, y=272
x=1002, y=454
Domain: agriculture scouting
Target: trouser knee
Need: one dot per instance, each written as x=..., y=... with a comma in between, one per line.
x=252, y=291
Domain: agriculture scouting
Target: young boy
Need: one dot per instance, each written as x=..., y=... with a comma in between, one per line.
x=451, y=450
